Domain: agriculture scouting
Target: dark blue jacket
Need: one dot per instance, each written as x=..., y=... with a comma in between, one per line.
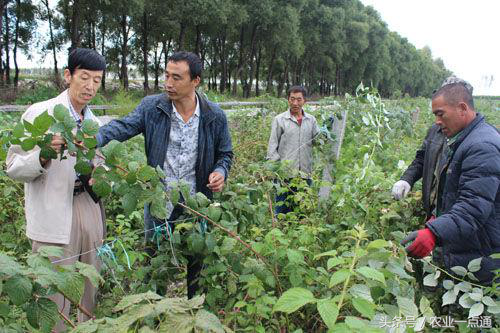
x=469, y=226
x=151, y=118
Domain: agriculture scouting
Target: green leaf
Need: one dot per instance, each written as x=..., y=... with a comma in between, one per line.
x=146, y=173
x=332, y=262
x=42, y=314
x=71, y=285
x=19, y=289
x=476, y=297
x=476, y=310
x=328, y=311
x=83, y=167
x=465, y=301
x=449, y=297
x=60, y=112
x=364, y=307
x=430, y=280
x=89, y=272
x=448, y=284
x=407, y=306
x=463, y=286
x=214, y=213
x=362, y=291
x=459, y=270
x=494, y=309
x=331, y=253
x=228, y=245
x=8, y=266
x=293, y=299
x=355, y=323
x=487, y=300
x=339, y=277
x=90, y=127
x=208, y=322
x=128, y=301
x=28, y=144
x=43, y=122
x=57, y=128
x=425, y=307
x=29, y=127
x=18, y=131
x=101, y=188
x=495, y=256
x=90, y=142
x=474, y=265
x=51, y=251
x=378, y=244
x=202, y=200
x=129, y=202
x=371, y=273
x=295, y=257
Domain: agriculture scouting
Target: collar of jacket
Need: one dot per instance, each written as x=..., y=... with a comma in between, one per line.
x=206, y=112
x=304, y=114
x=466, y=131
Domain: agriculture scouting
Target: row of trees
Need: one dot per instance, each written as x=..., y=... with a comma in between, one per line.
x=327, y=45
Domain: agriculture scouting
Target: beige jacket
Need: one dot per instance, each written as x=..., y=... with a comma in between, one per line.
x=289, y=141
x=48, y=192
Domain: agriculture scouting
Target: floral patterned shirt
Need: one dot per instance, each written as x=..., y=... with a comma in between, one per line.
x=182, y=152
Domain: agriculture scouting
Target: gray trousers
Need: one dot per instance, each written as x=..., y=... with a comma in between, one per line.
x=87, y=234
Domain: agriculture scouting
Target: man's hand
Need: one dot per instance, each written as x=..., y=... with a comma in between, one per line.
x=400, y=189
x=57, y=143
x=423, y=243
x=215, y=181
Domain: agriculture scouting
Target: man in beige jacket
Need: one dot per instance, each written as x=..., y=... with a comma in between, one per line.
x=292, y=135
x=59, y=212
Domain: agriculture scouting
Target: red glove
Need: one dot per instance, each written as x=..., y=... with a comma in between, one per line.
x=423, y=243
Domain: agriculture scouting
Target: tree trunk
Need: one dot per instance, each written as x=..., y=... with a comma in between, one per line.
x=253, y=41
x=7, y=47
x=197, y=46
x=75, y=25
x=3, y=5
x=223, y=61
x=157, y=61
x=182, y=36
x=166, y=50
x=16, y=41
x=103, y=33
x=239, y=68
x=257, y=72
x=124, y=52
x=269, y=86
x=283, y=79
x=145, y=49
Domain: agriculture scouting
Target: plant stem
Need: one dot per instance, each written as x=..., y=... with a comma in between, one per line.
x=346, y=282
x=235, y=236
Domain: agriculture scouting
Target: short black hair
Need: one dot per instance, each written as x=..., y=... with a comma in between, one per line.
x=455, y=93
x=194, y=62
x=81, y=58
x=296, y=89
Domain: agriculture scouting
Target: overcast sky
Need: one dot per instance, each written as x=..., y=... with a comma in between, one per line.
x=465, y=34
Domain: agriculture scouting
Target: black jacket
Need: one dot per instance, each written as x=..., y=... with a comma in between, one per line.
x=469, y=226
x=424, y=164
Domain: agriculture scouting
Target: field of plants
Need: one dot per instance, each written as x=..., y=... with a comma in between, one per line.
x=332, y=265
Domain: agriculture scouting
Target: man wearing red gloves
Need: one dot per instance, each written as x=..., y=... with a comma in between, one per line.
x=467, y=223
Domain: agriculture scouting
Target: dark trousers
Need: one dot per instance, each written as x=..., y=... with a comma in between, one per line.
x=194, y=262
x=283, y=204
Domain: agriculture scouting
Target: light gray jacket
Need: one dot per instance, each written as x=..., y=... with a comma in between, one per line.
x=48, y=192
x=289, y=141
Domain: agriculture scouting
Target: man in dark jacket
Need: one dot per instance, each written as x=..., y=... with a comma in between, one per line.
x=185, y=134
x=467, y=224
x=423, y=166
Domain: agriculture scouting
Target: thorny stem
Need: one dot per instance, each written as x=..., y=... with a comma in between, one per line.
x=346, y=282
x=235, y=236
x=452, y=276
x=79, y=306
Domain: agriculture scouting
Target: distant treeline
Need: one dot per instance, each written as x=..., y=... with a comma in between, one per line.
x=253, y=45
